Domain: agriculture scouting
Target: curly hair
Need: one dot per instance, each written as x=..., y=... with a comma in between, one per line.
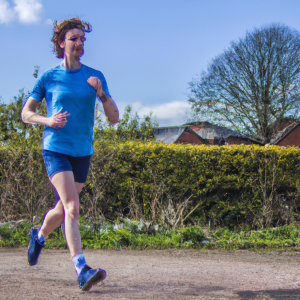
x=59, y=32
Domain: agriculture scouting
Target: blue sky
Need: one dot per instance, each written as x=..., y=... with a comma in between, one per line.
x=147, y=50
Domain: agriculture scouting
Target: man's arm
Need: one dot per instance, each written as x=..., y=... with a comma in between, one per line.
x=30, y=116
x=110, y=109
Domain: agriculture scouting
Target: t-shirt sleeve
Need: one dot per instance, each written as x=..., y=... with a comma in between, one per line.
x=39, y=90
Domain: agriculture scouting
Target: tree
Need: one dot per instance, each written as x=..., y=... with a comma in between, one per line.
x=130, y=127
x=252, y=84
x=12, y=129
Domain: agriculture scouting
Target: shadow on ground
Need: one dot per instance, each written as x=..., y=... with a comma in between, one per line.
x=184, y=289
x=279, y=294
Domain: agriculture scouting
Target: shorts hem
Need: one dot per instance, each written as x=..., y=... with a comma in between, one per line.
x=50, y=177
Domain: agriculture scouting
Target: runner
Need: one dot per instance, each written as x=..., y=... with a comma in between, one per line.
x=70, y=91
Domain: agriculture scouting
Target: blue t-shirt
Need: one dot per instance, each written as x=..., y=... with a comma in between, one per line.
x=69, y=89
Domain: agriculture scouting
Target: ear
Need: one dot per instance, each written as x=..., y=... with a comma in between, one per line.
x=61, y=44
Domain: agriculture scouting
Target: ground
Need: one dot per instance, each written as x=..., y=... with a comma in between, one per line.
x=157, y=274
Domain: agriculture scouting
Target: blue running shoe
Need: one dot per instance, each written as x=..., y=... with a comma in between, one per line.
x=34, y=248
x=89, y=277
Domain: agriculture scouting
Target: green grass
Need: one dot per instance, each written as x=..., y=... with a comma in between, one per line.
x=129, y=237
x=287, y=236
x=133, y=237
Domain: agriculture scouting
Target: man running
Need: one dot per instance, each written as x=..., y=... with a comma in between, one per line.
x=70, y=91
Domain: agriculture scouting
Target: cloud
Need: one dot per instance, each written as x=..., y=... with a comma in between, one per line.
x=6, y=12
x=26, y=11
x=166, y=114
x=49, y=22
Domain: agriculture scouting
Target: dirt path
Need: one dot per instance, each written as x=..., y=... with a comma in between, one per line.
x=169, y=274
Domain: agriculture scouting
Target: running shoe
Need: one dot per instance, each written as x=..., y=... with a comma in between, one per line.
x=34, y=248
x=89, y=277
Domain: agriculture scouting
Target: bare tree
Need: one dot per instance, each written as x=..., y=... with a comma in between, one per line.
x=253, y=83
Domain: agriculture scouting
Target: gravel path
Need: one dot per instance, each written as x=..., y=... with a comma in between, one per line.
x=165, y=274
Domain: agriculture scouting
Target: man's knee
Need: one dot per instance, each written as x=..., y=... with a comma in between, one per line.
x=72, y=210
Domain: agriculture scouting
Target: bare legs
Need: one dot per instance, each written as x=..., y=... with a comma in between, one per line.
x=53, y=219
x=68, y=191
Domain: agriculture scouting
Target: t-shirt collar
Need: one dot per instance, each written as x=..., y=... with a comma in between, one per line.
x=69, y=71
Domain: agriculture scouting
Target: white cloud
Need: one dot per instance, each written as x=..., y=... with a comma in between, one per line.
x=49, y=22
x=166, y=114
x=6, y=12
x=28, y=10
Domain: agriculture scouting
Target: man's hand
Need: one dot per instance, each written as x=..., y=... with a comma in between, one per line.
x=110, y=109
x=59, y=119
x=95, y=82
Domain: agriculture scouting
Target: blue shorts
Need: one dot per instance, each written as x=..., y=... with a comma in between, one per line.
x=58, y=162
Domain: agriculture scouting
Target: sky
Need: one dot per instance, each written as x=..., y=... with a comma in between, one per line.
x=148, y=50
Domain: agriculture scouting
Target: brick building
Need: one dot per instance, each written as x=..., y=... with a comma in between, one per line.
x=289, y=136
x=198, y=133
x=178, y=134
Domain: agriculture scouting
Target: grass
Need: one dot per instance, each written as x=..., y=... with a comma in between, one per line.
x=132, y=236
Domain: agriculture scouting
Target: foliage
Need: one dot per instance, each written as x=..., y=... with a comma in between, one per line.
x=11, y=127
x=105, y=237
x=253, y=83
x=12, y=130
x=287, y=236
x=173, y=185
x=36, y=71
x=130, y=128
x=24, y=184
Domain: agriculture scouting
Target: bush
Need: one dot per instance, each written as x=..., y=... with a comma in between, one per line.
x=169, y=185
x=177, y=184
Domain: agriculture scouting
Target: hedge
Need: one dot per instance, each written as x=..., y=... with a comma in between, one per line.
x=166, y=184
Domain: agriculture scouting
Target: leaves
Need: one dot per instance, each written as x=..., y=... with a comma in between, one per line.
x=130, y=128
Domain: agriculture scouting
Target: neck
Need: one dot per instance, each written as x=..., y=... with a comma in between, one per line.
x=71, y=63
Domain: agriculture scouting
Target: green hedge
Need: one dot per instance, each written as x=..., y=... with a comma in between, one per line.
x=166, y=184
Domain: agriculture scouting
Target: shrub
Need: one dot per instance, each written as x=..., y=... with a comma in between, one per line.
x=170, y=185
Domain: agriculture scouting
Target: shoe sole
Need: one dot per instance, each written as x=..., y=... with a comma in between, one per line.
x=99, y=276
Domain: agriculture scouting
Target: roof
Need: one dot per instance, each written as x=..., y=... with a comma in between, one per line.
x=283, y=133
x=172, y=134
x=209, y=131
x=202, y=130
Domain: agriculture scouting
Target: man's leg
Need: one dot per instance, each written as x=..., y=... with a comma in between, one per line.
x=79, y=187
x=66, y=188
x=52, y=219
x=55, y=217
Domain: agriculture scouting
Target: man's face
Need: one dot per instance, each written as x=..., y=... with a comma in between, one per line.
x=73, y=43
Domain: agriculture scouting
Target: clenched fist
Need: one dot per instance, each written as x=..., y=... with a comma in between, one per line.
x=95, y=82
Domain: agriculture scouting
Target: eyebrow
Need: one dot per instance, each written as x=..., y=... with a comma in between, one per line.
x=72, y=36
